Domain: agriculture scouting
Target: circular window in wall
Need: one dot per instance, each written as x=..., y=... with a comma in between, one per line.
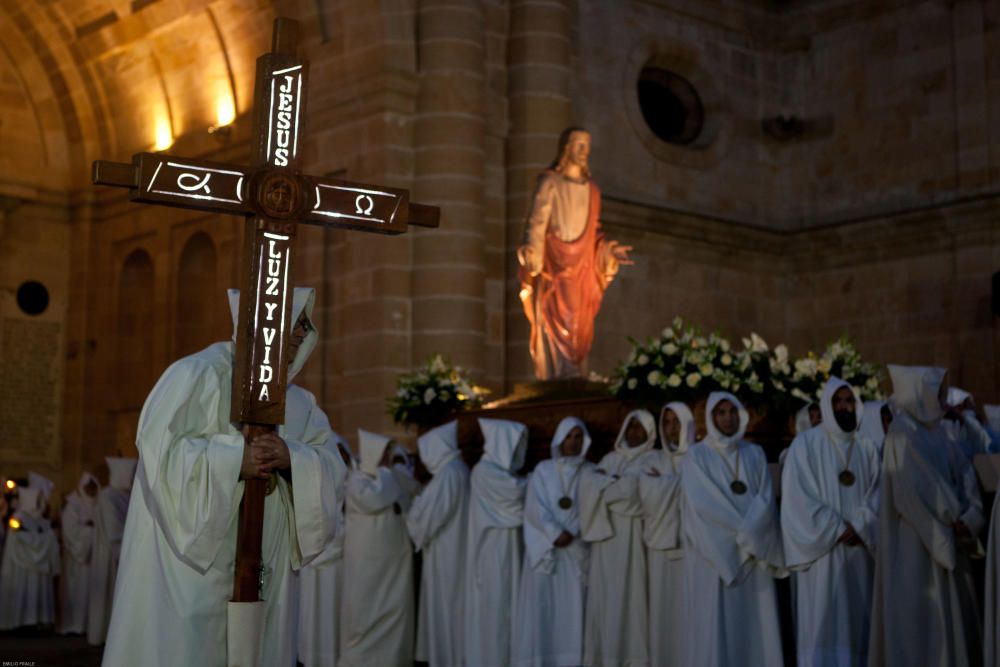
x=32, y=297
x=670, y=105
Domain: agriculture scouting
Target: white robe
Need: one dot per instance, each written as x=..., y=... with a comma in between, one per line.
x=662, y=503
x=617, y=619
x=30, y=562
x=925, y=609
x=321, y=590
x=377, y=610
x=109, y=528
x=991, y=624
x=833, y=581
x=493, y=560
x=180, y=538
x=548, y=630
x=78, y=541
x=437, y=522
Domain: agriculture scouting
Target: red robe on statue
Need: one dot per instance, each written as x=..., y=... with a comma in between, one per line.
x=563, y=298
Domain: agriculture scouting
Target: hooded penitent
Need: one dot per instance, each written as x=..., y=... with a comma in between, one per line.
x=496, y=512
x=377, y=623
x=617, y=625
x=30, y=561
x=182, y=520
x=662, y=500
x=77, y=523
x=437, y=524
x=831, y=480
x=925, y=609
x=732, y=547
x=548, y=625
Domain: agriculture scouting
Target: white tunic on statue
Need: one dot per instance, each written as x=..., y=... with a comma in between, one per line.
x=78, y=519
x=320, y=593
x=180, y=538
x=662, y=503
x=30, y=563
x=437, y=521
x=377, y=609
x=493, y=559
x=925, y=610
x=733, y=551
x=548, y=622
x=109, y=528
x=833, y=580
x=617, y=620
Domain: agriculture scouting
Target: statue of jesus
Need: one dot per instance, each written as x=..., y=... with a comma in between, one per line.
x=565, y=261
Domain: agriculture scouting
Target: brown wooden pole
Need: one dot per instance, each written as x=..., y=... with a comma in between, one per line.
x=249, y=538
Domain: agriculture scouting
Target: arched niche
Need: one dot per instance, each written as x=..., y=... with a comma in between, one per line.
x=199, y=303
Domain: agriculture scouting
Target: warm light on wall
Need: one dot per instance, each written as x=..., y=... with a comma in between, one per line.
x=225, y=110
x=164, y=137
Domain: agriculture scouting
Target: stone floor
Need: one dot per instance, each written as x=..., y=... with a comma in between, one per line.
x=43, y=648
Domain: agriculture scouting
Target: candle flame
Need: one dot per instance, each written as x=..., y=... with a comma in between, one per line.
x=11, y=484
x=14, y=523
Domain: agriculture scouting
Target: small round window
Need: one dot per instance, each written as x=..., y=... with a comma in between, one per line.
x=670, y=106
x=32, y=297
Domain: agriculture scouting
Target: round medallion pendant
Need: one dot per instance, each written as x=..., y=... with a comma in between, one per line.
x=846, y=478
x=565, y=503
x=738, y=487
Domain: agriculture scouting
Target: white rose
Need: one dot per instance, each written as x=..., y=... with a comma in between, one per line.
x=757, y=344
x=706, y=369
x=726, y=360
x=632, y=383
x=693, y=379
x=438, y=365
x=806, y=367
x=643, y=359
x=429, y=395
x=667, y=333
x=674, y=380
x=724, y=344
x=781, y=354
x=824, y=365
x=654, y=378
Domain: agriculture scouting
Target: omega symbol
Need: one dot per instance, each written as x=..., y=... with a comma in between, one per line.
x=360, y=202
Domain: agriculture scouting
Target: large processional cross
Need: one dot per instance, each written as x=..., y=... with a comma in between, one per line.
x=273, y=195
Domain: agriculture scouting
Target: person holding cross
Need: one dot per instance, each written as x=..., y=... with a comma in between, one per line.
x=178, y=551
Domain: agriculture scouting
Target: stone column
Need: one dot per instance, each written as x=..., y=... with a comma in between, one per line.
x=539, y=82
x=448, y=305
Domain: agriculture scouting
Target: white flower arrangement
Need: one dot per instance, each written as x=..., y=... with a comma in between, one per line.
x=432, y=392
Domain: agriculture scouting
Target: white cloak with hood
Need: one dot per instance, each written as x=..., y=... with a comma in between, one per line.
x=966, y=433
x=179, y=548
x=321, y=591
x=377, y=609
x=925, y=610
x=833, y=581
x=30, y=562
x=493, y=560
x=548, y=624
x=78, y=519
x=437, y=521
x=733, y=550
x=617, y=620
x=109, y=527
x=662, y=498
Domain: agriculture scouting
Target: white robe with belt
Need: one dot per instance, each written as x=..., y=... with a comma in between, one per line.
x=78, y=541
x=437, y=522
x=550, y=612
x=493, y=560
x=834, y=581
x=377, y=609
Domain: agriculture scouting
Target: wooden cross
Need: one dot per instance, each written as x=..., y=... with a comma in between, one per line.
x=274, y=196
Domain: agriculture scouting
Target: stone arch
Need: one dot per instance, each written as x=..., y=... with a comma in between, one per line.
x=198, y=306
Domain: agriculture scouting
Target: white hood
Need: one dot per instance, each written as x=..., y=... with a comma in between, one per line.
x=829, y=423
x=565, y=426
x=43, y=484
x=438, y=446
x=121, y=472
x=957, y=396
x=81, y=490
x=686, y=418
x=716, y=438
x=916, y=391
x=871, y=425
x=648, y=423
x=802, y=421
x=30, y=501
x=504, y=443
x=372, y=447
x=303, y=300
